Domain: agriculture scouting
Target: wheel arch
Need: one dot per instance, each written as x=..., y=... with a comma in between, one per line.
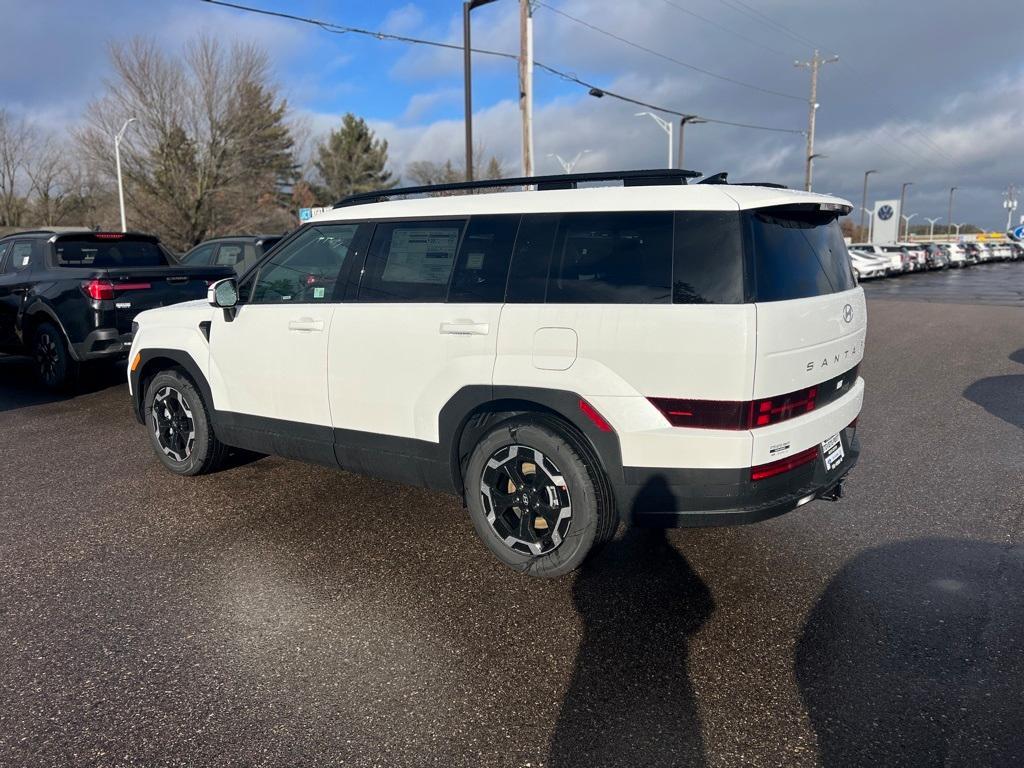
x=37, y=314
x=475, y=410
x=154, y=361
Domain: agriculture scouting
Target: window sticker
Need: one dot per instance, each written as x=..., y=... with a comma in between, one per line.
x=421, y=255
x=318, y=293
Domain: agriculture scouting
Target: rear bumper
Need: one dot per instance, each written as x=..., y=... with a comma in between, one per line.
x=683, y=498
x=103, y=344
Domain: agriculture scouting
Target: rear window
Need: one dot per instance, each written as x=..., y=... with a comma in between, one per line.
x=798, y=252
x=109, y=254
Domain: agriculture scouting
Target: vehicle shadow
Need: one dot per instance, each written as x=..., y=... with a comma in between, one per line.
x=914, y=656
x=630, y=701
x=1002, y=396
x=19, y=388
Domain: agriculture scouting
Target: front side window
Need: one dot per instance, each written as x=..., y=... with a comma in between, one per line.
x=612, y=258
x=20, y=257
x=3, y=252
x=798, y=251
x=198, y=256
x=228, y=255
x=410, y=261
x=308, y=269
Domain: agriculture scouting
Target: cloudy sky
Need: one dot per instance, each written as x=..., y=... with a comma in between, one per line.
x=928, y=91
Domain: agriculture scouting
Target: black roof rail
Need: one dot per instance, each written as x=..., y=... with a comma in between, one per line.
x=722, y=177
x=643, y=178
x=769, y=184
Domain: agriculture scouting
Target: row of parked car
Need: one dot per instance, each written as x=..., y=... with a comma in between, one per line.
x=873, y=261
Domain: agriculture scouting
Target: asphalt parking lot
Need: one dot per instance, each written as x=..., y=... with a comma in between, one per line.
x=281, y=614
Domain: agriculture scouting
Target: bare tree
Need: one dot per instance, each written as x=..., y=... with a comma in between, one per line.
x=429, y=172
x=210, y=151
x=16, y=142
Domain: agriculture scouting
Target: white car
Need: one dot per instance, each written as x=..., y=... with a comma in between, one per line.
x=561, y=358
x=957, y=255
x=868, y=266
x=897, y=262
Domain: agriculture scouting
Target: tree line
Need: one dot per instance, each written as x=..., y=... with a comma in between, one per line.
x=213, y=149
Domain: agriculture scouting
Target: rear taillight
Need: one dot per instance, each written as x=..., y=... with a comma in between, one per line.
x=105, y=290
x=717, y=414
x=100, y=290
x=764, y=471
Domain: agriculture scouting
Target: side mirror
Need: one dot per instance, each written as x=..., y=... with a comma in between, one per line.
x=223, y=293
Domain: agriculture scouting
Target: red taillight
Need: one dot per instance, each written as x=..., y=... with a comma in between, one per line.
x=774, y=468
x=100, y=290
x=703, y=414
x=594, y=416
x=104, y=290
x=772, y=410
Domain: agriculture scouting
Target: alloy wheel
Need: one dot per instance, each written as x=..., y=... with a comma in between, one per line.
x=47, y=357
x=173, y=424
x=526, y=500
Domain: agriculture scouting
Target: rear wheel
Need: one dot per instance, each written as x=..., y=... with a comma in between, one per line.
x=179, y=426
x=537, y=499
x=54, y=367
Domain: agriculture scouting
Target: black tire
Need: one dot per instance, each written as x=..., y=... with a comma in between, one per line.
x=555, y=454
x=179, y=426
x=53, y=366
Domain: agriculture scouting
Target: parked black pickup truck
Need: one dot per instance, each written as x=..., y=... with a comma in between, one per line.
x=70, y=297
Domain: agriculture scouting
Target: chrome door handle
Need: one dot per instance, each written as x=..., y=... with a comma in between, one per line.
x=305, y=324
x=465, y=328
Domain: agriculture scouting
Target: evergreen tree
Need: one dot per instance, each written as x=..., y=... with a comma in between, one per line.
x=352, y=160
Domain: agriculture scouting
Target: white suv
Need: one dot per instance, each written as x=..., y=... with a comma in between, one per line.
x=562, y=358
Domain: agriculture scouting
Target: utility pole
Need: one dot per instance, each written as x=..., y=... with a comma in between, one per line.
x=903, y=195
x=864, y=203
x=949, y=215
x=526, y=82
x=1010, y=204
x=117, y=161
x=814, y=65
x=931, y=229
x=693, y=120
x=467, y=72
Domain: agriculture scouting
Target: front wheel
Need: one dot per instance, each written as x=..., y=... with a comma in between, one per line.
x=536, y=498
x=179, y=426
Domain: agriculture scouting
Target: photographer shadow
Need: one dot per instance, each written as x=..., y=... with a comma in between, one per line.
x=630, y=701
x=1002, y=396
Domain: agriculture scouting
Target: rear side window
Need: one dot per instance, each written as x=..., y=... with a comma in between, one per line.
x=708, y=258
x=109, y=254
x=410, y=261
x=527, y=280
x=481, y=269
x=612, y=258
x=228, y=255
x=798, y=251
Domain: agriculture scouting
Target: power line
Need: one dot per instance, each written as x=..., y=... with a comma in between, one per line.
x=724, y=28
x=762, y=18
x=567, y=76
x=666, y=57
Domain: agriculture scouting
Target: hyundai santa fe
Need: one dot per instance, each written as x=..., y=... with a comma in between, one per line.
x=563, y=358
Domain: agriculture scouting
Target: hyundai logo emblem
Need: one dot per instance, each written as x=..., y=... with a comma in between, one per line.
x=848, y=313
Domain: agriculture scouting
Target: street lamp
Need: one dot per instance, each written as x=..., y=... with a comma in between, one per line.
x=117, y=159
x=871, y=223
x=693, y=119
x=810, y=167
x=903, y=194
x=958, y=230
x=665, y=126
x=906, y=227
x=931, y=230
x=568, y=166
x=949, y=213
x=864, y=202
x=467, y=73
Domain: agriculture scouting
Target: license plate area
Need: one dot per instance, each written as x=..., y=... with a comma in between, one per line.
x=832, y=452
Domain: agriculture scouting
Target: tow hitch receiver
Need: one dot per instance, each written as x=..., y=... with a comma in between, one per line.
x=835, y=493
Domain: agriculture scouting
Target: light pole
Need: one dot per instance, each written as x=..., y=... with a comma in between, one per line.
x=117, y=160
x=958, y=230
x=568, y=166
x=864, y=202
x=903, y=194
x=692, y=119
x=906, y=227
x=814, y=65
x=931, y=229
x=949, y=213
x=871, y=223
x=1010, y=204
x=467, y=74
x=665, y=126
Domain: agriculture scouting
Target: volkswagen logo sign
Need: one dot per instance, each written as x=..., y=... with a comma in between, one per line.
x=885, y=212
x=848, y=313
